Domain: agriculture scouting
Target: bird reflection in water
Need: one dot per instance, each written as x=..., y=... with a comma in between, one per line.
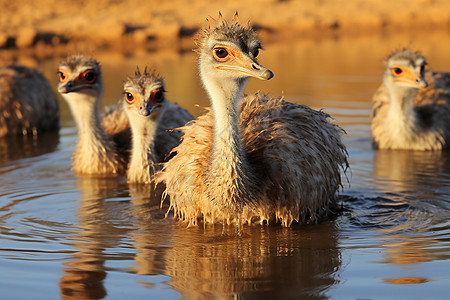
x=154, y=232
x=263, y=262
x=214, y=262
x=85, y=269
x=400, y=170
x=416, y=211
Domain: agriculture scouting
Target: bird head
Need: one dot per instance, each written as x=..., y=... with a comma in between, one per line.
x=230, y=50
x=79, y=74
x=144, y=94
x=405, y=69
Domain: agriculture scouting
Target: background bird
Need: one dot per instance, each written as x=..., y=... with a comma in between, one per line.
x=27, y=103
x=411, y=108
x=152, y=119
x=252, y=159
x=103, y=142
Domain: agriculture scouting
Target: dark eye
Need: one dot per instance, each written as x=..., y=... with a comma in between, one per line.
x=397, y=71
x=129, y=96
x=159, y=95
x=63, y=76
x=221, y=52
x=255, y=52
x=89, y=76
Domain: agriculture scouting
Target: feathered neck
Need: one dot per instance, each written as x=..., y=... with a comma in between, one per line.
x=86, y=112
x=141, y=167
x=401, y=114
x=95, y=152
x=230, y=175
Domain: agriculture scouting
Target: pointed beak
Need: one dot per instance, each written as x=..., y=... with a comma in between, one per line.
x=145, y=109
x=246, y=66
x=414, y=82
x=72, y=86
x=66, y=88
x=410, y=78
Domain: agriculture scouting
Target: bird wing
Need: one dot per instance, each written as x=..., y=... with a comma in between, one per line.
x=437, y=92
x=297, y=153
x=168, y=134
x=380, y=102
x=117, y=126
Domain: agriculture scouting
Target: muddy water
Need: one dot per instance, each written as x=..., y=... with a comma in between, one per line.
x=67, y=237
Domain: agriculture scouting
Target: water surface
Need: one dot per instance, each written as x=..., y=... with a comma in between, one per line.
x=68, y=237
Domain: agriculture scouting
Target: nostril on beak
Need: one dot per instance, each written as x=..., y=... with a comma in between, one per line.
x=255, y=67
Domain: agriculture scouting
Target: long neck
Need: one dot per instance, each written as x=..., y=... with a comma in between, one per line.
x=229, y=166
x=401, y=115
x=85, y=109
x=95, y=152
x=141, y=168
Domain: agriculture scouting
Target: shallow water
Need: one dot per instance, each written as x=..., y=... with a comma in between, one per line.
x=67, y=237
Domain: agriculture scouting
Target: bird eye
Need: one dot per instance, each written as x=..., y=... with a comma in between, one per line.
x=220, y=53
x=63, y=76
x=89, y=76
x=130, y=97
x=397, y=71
x=159, y=95
x=255, y=53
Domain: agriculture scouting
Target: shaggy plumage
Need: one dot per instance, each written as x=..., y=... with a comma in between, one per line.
x=408, y=113
x=27, y=103
x=256, y=159
x=152, y=119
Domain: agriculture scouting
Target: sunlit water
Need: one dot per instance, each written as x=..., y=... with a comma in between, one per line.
x=67, y=237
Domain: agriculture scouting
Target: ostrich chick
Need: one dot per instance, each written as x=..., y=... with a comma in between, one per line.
x=251, y=159
x=27, y=103
x=97, y=152
x=404, y=117
x=152, y=119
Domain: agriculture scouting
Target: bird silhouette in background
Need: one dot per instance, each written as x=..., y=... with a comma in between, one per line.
x=27, y=103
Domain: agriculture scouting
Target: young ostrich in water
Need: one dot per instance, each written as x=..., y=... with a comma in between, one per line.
x=254, y=159
x=102, y=142
x=404, y=117
x=152, y=119
x=27, y=103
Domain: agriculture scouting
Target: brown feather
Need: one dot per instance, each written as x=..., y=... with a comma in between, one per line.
x=295, y=152
x=27, y=103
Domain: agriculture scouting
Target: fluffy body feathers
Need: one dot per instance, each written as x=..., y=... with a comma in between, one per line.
x=27, y=103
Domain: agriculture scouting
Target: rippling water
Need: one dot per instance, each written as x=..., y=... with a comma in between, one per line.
x=67, y=237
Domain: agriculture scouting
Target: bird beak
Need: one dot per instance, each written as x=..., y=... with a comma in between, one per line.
x=145, y=109
x=72, y=86
x=246, y=66
x=417, y=82
x=410, y=78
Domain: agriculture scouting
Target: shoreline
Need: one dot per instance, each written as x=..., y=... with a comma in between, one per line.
x=49, y=27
